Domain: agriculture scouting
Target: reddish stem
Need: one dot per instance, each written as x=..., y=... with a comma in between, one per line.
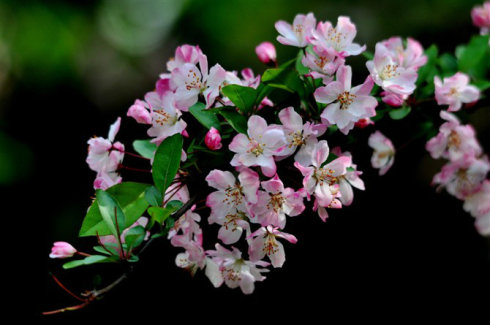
x=58, y=282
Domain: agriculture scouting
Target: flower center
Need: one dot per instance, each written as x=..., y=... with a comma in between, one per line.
x=345, y=99
x=162, y=118
x=298, y=29
x=322, y=61
x=234, y=195
x=231, y=220
x=335, y=37
x=275, y=202
x=453, y=91
x=270, y=246
x=454, y=139
x=194, y=81
x=296, y=139
x=389, y=71
x=231, y=274
x=325, y=175
x=256, y=148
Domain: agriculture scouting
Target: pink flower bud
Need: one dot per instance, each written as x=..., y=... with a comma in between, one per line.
x=364, y=122
x=393, y=99
x=266, y=52
x=139, y=112
x=481, y=15
x=213, y=139
x=62, y=249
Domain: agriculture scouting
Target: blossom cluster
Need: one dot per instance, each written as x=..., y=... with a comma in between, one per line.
x=276, y=160
x=464, y=174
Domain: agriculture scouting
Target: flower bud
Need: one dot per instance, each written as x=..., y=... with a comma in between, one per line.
x=139, y=112
x=62, y=249
x=213, y=139
x=481, y=15
x=364, y=122
x=266, y=52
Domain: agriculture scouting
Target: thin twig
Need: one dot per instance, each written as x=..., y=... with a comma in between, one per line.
x=118, y=231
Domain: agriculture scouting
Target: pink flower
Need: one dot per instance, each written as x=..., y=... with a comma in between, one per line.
x=387, y=72
x=298, y=134
x=481, y=17
x=104, y=180
x=62, y=249
x=393, y=99
x=338, y=38
x=139, y=112
x=410, y=58
x=194, y=252
x=478, y=204
x=190, y=81
x=323, y=63
x=384, y=152
x=165, y=117
x=231, y=203
x=266, y=52
x=275, y=203
x=104, y=157
x=259, y=147
x=213, y=139
x=230, y=268
x=463, y=177
x=322, y=180
x=265, y=243
x=349, y=180
x=296, y=34
x=184, y=54
x=453, y=140
x=454, y=91
x=346, y=105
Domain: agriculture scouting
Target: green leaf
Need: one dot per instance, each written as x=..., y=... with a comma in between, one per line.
x=111, y=212
x=429, y=70
x=103, y=250
x=134, y=237
x=399, y=113
x=145, y=148
x=448, y=64
x=368, y=55
x=130, y=196
x=167, y=161
x=350, y=169
x=159, y=214
x=87, y=261
x=243, y=97
x=235, y=119
x=302, y=70
x=205, y=117
x=472, y=58
x=153, y=196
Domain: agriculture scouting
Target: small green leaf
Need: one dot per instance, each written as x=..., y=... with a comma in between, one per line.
x=174, y=204
x=111, y=212
x=399, y=113
x=368, y=55
x=350, y=169
x=159, y=214
x=145, y=148
x=134, y=237
x=243, y=97
x=167, y=161
x=237, y=121
x=87, y=261
x=205, y=117
x=106, y=250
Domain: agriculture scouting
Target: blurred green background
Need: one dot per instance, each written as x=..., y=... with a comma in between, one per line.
x=69, y=68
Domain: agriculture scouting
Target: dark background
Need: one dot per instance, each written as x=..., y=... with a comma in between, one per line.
x=68, y=69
